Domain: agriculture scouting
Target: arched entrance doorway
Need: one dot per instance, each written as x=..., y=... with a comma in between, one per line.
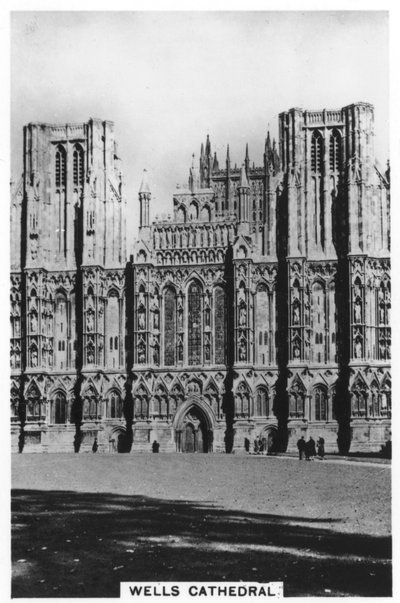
x=193, y=427
x=194, y=432
x=117, y=440
x=268, y=437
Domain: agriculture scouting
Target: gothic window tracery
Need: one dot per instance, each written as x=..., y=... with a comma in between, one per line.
x=169, y=326
x=219, y=325
x=112, y=320
x=242, y=401
x=262, y=323
x=60, y=167
x=320, y=404
x=78, y=165
x=114, y=406
x=33, y=404
x=194, y=323
x=262, y=402
x=59, y=408
x=318, y=321
x=90, y=406
x=317, y=154
x=335, y=151
x=161, y=403
x=358, y=400
x=296, y=401
x=141, y=404
x=61, y=330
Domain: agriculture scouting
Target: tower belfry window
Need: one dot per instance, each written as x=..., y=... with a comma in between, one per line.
x=60, y=171
x=78, y=166
x=335, y=151
x=317, y=154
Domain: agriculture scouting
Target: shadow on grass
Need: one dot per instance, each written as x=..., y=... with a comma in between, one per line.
x=84, y=544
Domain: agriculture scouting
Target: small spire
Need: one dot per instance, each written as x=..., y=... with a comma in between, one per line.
x=144, y=187
x=275, y=157
x=215, y=163
x=268, y=143
x=247, y=159
x=228, y=159
x=201, y=151
x=208, y=146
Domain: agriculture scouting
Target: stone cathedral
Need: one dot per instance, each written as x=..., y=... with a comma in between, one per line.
x=259, y=307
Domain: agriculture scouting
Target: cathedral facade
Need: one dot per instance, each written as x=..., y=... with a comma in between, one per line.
x=260, y=307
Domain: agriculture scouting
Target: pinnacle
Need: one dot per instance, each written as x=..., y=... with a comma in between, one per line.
x=144, y=187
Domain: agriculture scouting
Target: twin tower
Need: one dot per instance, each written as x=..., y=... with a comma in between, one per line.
x=260, y=307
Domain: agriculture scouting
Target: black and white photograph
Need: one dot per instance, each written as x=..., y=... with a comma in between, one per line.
x=200, y=304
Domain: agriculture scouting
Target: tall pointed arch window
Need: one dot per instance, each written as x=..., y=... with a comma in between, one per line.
x=262, y=406
x=335, y=151
x=61, y=330
x=78, y=159
x=219, y=325
x=169, y=326
x=262, y=324
x=60, y=167
x=318, y=321
x=194, y=323
x=317, y=152
x=114, y=406
x=59, y=408
x=112, y=327
x=320, y=399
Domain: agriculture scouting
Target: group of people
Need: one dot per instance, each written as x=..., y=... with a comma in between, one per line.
x=258, y=446
x=309, y=450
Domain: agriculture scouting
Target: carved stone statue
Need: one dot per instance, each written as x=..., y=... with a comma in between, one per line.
x=141, y=320
x=357, y=312
x=34, y=323
x=242, y=352
x=90, y=322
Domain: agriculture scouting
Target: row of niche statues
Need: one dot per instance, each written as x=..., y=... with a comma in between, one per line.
x=200, y=236
x=194, y=257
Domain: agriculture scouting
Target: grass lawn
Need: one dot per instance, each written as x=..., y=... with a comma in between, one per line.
x=84, y=523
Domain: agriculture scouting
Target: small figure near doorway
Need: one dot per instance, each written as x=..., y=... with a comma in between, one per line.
x=247, y=444
x=260, y=445
x=155, y=446
x=310, y=449
x=95, y=446
x=301, y=445
x=255, y=446
x=321, y=448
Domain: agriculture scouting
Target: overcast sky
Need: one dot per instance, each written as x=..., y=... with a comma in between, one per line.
x=169, y=79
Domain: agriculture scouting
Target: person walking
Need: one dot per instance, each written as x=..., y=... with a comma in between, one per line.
x=301, y=445
x=311, y=448
x=321, y=448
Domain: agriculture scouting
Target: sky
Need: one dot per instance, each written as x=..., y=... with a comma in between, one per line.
x=167, y=79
